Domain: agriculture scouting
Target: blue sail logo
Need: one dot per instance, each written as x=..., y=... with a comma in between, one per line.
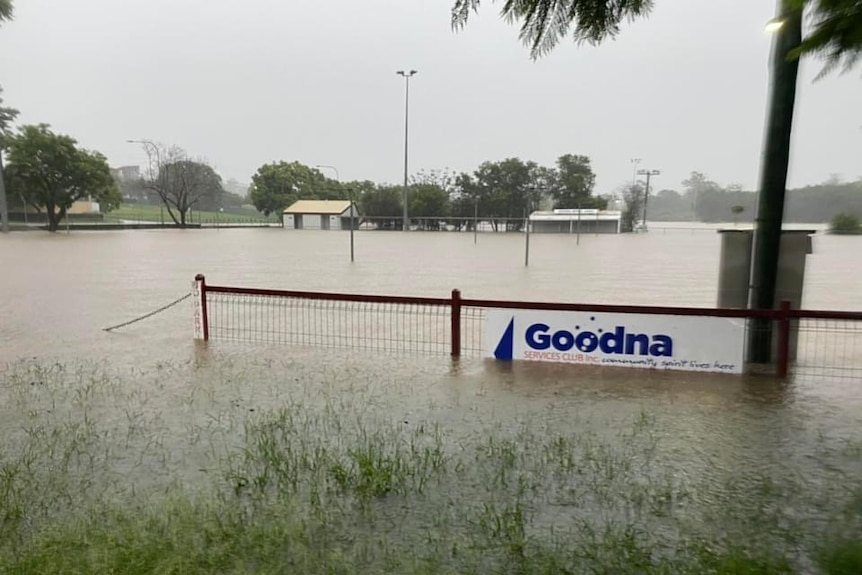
x=505, y=349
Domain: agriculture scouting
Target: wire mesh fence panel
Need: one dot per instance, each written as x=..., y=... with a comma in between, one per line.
x=472, y=320
x=389, y=327
x=827, y=348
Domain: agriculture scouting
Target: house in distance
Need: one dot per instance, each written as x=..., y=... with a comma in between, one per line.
x=320, y=215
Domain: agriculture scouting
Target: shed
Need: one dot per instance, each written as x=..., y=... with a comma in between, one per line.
x=570, y=221
x=320, y=215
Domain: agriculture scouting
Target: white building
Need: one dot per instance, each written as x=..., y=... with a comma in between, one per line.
x=320, y=215
x=572, y=221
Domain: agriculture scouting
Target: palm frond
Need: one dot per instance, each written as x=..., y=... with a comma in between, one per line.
x=545, y=22
x=6, y=10
x=835, y=34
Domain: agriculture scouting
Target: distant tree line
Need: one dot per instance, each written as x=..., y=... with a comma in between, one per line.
x=703, y=200
x=498, y=192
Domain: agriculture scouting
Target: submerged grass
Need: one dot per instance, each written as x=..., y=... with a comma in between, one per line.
x=103, y=473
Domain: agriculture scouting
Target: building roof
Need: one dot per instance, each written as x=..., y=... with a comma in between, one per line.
x=331, y=207
x=572, y=216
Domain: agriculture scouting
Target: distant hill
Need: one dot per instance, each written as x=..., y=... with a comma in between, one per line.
x=811, y=204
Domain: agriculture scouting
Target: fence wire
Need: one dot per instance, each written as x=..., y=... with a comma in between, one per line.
x=828, y=349
x=388, y=327
x=472, y=324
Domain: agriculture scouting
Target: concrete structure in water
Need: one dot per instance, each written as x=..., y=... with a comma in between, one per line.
x=734, y=274
x=573, y=221
x=320, y=215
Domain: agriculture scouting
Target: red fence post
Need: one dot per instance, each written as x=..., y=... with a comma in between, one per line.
x=456, y=323
x=783, y=351
x=204, y=315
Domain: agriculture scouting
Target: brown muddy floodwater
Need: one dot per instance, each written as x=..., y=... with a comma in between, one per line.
x=721, y=436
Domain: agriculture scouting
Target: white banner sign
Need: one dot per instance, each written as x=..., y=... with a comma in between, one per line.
x=685, y=343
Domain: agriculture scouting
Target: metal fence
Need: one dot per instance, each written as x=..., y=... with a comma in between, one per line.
x=804, y=343
x=829, y=345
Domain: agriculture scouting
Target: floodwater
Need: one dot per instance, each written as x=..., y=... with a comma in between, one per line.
x=58, y=292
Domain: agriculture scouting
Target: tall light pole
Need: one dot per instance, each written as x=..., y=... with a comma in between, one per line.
x=766, y=249
x=407, y=75
x=648, y=174
x=149, y=144
x=352, y=208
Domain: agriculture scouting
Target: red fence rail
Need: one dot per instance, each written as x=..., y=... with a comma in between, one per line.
x=831, y=341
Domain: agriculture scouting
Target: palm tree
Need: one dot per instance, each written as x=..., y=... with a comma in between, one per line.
x=545, y=22
x=835, y=33
x=5, y=10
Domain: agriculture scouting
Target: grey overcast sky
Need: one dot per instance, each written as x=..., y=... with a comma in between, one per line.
x=250, y=82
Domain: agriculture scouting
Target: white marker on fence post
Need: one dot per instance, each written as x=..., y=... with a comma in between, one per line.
x=197, y=309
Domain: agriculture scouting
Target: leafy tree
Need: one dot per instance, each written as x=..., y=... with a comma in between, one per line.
x=633, y=203
x=50, y=172
x=846, y=224
x=574, y=184
x=464, y=201
x=428, y=201
x=7, y=116
x=505, y=189
x=278, y=185
x=383, y=203
x=445, y=179
x=357, y=189
x=702, y=193
x=736, y=210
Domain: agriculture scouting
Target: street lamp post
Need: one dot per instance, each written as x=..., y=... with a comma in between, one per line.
x=766, y=249
x=405, y=226
x=648, y=174
x=352, y=207
x=149, y=144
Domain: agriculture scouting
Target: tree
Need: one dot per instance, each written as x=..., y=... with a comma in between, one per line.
x=50, y=172
x=276, y=186
x=736, y=211
x=445, y=179
x=633, y=202
x=7, y=116
x=702, y=193
x=183, y=184
x=6, y=10
x=836, y=33
x=506, y=189
x=573, y=185
x=180, y=182
x=383, y=203
x=846, y=224
x=545, y=22
x=428, y=201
